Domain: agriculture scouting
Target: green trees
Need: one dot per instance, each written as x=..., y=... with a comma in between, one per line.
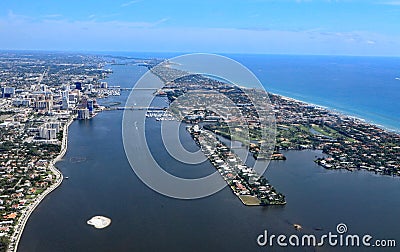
x=60, y=135
x=4, y=241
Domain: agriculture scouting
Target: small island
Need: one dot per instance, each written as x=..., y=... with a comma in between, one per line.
x=99, y=222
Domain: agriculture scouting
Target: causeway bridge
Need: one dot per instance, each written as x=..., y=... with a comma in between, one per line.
x=138, y=108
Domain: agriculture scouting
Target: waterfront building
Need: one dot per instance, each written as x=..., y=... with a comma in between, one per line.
x=83, y=114
x=103, y=84
x=90, y=106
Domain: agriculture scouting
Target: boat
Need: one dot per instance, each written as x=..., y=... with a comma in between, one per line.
x=297, y=226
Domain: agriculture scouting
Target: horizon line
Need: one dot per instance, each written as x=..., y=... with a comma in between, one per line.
x=191, y=52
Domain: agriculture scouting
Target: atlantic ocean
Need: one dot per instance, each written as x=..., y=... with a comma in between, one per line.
x=364, y=87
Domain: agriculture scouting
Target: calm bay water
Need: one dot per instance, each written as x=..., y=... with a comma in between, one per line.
x=101, y=182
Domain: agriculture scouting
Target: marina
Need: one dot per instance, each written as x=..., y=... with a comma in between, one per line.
x=160, y=115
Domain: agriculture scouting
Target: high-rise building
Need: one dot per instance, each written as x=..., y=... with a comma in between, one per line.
x=83, y=114
x=65, y=103
x=43, y=87
x=45, y=105
x=90, y=106
x=54, y=125
x=22, y=102
x=89, y=87
x=7, y=92
x=78, y=85
x=66, y=88
x=48, y=133
x=103, y=84
x=65, y=93
x=73, y=97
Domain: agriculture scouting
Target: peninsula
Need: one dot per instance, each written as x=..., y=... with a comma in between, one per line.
x=348, y=142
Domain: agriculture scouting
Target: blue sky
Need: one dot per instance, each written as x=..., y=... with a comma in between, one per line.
x=341, y=27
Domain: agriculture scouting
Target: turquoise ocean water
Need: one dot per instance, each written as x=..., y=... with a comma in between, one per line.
x=364, y=87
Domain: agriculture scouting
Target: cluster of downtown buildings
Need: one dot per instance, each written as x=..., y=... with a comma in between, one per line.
x=40, y=94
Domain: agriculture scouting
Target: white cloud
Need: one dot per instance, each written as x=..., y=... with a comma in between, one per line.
x=52, y=16
x=59, y=34
x=395, y=3
x=130, y=3
x=16, y=17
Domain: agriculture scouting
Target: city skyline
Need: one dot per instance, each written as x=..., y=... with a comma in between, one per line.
x=363, y=28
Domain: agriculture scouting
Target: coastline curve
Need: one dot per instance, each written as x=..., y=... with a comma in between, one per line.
x=21, y=223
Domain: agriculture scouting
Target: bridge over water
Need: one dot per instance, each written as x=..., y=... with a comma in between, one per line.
x=138, y=108
x=127, y=89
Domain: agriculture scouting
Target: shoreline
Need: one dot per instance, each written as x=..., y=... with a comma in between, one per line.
x=341, y=113
x=20, y=226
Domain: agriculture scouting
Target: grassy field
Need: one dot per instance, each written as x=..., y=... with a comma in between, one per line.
x=327, y=131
